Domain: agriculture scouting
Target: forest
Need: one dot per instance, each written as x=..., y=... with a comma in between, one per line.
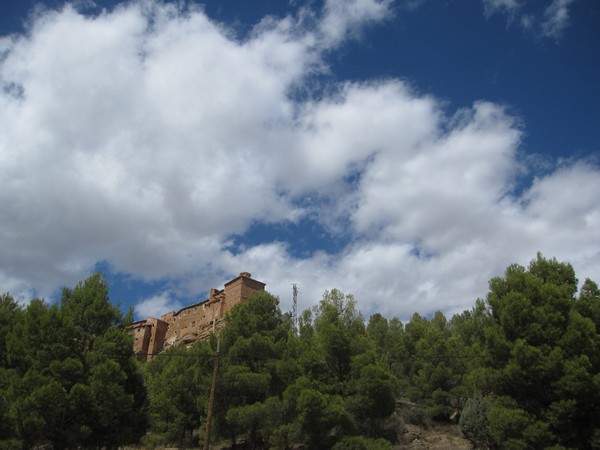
x=520, y=370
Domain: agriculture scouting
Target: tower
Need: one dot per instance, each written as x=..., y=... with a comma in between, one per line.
x=295, y=307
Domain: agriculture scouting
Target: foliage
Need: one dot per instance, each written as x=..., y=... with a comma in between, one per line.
x=545, y=357
x=335, y=383
x=362, y=443
x=474, y=421
x=68, y=377
x=315, y=388
x=529, y=353
x=178, y=383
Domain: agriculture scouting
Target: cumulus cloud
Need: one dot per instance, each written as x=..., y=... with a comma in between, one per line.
x=435, y=214
x=342, y=17
x=156, y=306
x=147, y=136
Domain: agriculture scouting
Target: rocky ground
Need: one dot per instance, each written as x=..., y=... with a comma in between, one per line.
x=435, y=437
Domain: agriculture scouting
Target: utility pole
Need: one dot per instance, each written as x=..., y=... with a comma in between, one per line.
x=211, y=400
x=295, y=307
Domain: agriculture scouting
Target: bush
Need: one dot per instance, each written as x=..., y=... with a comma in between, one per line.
x=362, y=443
x=474, y=422
x=414, y=415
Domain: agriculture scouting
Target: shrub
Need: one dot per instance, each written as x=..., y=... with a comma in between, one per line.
x=362, y=443
x=474, y=422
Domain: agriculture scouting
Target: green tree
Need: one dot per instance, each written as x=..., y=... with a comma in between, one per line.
x=344, y=367
x=178, y=382
x=341, y=332
x=9, y=311
x=88, y=307
x=318, y=419
x=544, y=358
x=68, y=377
x=395, y=354
x=588, y=304
x=256, y=367
x=311, y=389
x=378, y=331
x=433, y=369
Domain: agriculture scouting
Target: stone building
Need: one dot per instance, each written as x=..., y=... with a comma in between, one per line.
x=194, y=322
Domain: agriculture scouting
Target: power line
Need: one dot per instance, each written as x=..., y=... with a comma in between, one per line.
x=449, y=357
x=241, y=358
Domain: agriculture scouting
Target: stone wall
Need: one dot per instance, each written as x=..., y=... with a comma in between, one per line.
x=194, y=322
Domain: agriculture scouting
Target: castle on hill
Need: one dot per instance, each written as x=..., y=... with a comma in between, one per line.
x=194, y=322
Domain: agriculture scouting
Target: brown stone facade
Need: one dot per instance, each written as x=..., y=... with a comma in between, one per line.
x=194, y=322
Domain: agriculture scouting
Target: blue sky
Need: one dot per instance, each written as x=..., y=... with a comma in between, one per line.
x=401, y=151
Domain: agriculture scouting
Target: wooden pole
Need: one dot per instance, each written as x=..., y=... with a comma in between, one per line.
x=211, y=400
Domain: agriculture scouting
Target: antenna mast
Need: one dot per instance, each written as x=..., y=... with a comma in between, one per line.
x=295, y=307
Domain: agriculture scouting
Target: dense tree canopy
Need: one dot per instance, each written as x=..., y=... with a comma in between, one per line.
x=68, y=377
x=521, y=370
x=178, y=382
x=544, y=365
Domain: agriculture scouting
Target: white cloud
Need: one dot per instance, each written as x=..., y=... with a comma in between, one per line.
x=549, y=22
x=433, y=214
x=556, y=17
x=342, y=17
x=503, y=6
x=456, y=178
x=146, y=136
x=156, y=306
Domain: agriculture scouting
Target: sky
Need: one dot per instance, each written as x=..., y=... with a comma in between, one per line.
x=401, y=151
